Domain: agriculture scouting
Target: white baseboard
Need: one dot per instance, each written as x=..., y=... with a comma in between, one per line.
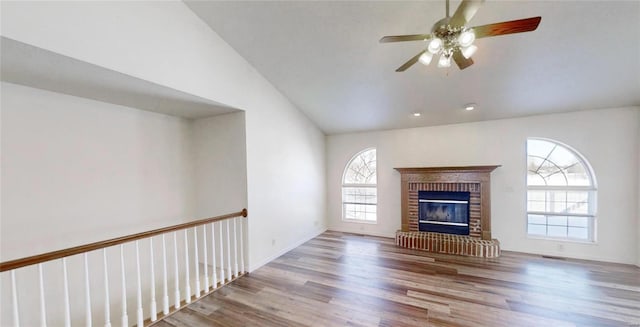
x=294, y=245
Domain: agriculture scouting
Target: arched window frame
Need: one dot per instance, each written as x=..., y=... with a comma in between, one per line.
x=553, y=219
x=359, y=209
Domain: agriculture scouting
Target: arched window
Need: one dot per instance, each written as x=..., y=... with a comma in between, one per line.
x=561, y=192
x=359, y=190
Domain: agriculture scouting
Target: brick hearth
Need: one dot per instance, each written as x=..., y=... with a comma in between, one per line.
x=473, y=179
x=448, y=243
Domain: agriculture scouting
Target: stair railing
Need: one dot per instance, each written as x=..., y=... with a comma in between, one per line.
x=222, y=245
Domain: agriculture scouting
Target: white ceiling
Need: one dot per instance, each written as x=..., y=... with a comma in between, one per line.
x=31, y=66
x=325, y=57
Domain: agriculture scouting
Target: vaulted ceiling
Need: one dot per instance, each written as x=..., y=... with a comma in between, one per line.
x=325, y=57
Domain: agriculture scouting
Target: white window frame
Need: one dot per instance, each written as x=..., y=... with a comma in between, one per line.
x=590, y=189
x=354, y=185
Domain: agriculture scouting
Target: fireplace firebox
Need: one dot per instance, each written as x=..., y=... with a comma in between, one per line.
x=443, y=212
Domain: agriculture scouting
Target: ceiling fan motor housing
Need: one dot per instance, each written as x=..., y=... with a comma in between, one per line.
x=441, y=25
x=443, y=30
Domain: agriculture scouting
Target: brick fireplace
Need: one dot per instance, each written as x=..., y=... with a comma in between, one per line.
x=472, y=179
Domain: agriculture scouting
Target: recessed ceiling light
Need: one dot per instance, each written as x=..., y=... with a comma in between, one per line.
x=416, y=114
x=470, y=106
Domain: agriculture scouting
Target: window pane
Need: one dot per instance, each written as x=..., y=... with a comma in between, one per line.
x=536, y=206
x=364, y=212
x=537, y=219
x=557, y=220
x=349, y=211
x=557, y=201
x=578, y=202
x=577, y=175
x=536, y=201
x=551, y=164
x=536, y=195
x=579, y=233
x=348, y=195
x=556, y=177
x=361, y=169
x=370, y=216
x=537, y=229
x=539, y=148
x=366, y=195
x=562, y=157
x=557, y=231
x=359, y=203
x=556, y=164
x=579, y=222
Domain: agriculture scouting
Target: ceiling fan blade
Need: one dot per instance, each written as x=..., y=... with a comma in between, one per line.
x=466, y=10
x=410, y=63
x=510, y=27
x=460, y=60
x=403, y=38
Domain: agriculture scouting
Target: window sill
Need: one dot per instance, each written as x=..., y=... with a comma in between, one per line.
x=360, y=221
x=557, y=239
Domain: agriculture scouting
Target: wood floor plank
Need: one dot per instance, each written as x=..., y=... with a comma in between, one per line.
x=341, y=279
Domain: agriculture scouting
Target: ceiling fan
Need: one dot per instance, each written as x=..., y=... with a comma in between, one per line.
x=451, y=38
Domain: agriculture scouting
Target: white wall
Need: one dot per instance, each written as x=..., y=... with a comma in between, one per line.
x=220, y=165
x=76, y=171
x=166, y=43
x=220, y=170
x=607, y=138
x=286, y=180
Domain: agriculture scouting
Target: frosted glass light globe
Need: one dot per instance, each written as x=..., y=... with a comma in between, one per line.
x=425, y=58
x=466, y=38
x=435, y=45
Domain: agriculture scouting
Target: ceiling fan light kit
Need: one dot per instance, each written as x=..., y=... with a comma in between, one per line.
x=466, y=38
x=450, y=38
x=445, y=61
x=469, y=51
x=425, y=58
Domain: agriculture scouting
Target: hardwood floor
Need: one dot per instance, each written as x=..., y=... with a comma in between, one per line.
x=340, y=279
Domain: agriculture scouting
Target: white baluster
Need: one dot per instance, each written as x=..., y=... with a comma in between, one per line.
x=153, y=310
x=204, y=254
x=107, y=309
x=67, y=309
x=214, y=279
x=125, y=318
x=139, y=314
x=229, y=272
x=195, y=261
x=242, y=245
x=235, y=247
x=165, y=291
x=187, y=290
x=221, y=255
x=87, y=292
x=175, y=265
x=14, y=300
x=43, y=309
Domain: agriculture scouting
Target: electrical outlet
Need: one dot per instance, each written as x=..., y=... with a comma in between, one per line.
x=560, y=247
x=273, y=242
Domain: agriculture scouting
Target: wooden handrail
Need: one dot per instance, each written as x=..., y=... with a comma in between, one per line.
x=32, y=260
